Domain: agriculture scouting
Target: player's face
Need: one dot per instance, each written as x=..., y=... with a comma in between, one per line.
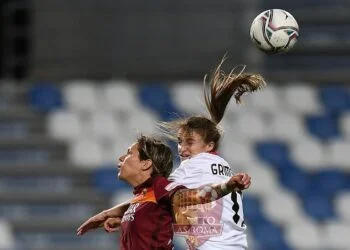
x=130, y=164
x=191, y=144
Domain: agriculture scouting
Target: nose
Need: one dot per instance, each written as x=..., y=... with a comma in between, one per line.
x=121, y=158
x=181, y=148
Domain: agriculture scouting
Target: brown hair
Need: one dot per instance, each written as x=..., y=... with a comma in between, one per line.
x=222, y=87
x=158, y=152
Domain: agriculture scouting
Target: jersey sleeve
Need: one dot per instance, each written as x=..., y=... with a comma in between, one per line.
x=165, y=189
x=178, y=174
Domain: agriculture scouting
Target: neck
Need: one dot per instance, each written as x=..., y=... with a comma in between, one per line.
x=139, y=180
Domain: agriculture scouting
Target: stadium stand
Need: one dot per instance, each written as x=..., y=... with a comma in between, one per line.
x=300, y=175
x=59, y=142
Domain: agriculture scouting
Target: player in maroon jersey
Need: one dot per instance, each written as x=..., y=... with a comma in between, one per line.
x=149, y=217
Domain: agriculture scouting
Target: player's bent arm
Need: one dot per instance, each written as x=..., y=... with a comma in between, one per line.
x=117, y=210
x=210, y=192
x=98, y=220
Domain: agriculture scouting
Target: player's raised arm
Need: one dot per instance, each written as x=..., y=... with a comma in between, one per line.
x=210, y=192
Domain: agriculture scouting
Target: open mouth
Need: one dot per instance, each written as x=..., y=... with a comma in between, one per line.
x=119, y=166
x=184, y=157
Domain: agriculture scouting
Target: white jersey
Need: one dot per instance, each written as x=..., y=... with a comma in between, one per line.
x=206, y=168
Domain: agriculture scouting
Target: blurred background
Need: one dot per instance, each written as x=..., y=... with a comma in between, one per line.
x=81, y=79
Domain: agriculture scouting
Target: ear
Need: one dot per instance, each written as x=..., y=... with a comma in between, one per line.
x=146, y=164
x=210, y=146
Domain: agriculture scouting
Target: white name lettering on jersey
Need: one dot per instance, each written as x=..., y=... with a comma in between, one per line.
x=218, y=169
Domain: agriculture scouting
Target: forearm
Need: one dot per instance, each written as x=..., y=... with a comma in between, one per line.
x=116, y=211
x=204, y=194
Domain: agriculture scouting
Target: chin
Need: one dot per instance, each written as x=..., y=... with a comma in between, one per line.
x=120, y=176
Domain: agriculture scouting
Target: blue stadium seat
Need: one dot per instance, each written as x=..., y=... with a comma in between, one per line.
x=269, y=236
x=45, y=97
x=318, y=207
x=252, y=210
x=294, y=178
x=157, y=97
x=323, y=126
x=347, y=177
x=266, y=234
x=275, y=153
x=335, y=99
x=328, y=182
x=105, y=180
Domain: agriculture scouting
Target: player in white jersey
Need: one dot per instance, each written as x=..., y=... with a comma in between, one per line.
x=198, y=140
x=205, y=168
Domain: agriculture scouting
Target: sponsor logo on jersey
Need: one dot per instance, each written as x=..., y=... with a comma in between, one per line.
x=129, y=215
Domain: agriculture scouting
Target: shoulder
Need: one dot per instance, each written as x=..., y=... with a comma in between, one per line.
x=160, y=181
x=202, y=162
x=206, y=158
x=163, y=188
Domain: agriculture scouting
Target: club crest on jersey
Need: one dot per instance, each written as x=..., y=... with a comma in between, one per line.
x=197, y=223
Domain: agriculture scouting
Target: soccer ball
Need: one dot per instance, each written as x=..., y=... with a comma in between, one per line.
x=274, y=31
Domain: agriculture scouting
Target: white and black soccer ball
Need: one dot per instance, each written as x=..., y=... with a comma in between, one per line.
x=274, y=31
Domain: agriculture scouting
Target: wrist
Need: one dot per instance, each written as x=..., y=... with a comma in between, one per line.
x=230, y=186
x=105, y=214
x=224, y=187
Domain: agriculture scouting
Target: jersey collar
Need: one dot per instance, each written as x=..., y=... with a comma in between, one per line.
x=148, y=183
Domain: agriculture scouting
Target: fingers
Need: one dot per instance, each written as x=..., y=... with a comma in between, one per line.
x=245, y=180
x=82, y=229
x=81, y=226
x=88, y=225
x=87, y=222
x=112, y=224
x=92, y=222
x=81, y=232
x=109, y=229
x=245, y=177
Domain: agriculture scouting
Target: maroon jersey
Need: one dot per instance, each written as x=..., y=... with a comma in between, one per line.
x=147, y=224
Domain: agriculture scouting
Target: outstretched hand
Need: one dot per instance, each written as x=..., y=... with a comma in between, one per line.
x=239, y=181
x=92, y=223
x=245, y=181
